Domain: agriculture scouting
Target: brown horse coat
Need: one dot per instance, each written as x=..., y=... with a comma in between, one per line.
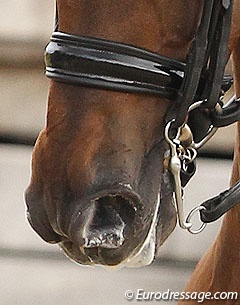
x=100, y=146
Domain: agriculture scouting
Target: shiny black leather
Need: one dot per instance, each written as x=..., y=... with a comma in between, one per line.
x=109, y=65
x=219, y=205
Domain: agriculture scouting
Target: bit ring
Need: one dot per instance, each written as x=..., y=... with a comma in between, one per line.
x=189, y=217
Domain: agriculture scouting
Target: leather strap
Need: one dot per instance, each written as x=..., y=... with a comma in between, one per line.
x=206, y=62
x=187, y=173
x=195, y=61
x=201, y=119
x=113, y=66
x=219, y=205
x=228, y=115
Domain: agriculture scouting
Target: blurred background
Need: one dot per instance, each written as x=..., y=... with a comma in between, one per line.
x=32, y=272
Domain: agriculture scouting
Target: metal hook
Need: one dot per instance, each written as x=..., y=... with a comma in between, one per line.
x=175, y=167
x=212, y=130
x=190, y=215
x=209, y=135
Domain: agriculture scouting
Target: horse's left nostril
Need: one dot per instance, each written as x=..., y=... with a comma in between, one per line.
x=108, y=222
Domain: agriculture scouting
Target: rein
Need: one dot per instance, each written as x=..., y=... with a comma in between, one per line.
x=196, y=89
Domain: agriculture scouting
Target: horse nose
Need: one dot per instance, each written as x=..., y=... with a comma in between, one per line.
x=109, y=221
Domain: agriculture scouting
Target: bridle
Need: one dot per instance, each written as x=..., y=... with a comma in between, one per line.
x=196, y=89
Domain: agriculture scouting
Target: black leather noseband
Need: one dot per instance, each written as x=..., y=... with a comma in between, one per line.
x=114, y=66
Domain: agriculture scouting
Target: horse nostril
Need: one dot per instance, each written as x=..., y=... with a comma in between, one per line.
x=108, y=223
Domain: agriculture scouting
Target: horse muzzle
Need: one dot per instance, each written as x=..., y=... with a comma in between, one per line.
x=108, y=228
x=111, y=224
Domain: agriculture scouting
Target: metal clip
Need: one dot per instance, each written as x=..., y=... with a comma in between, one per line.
x=190, y=215
x=212, y=130
x=210, y=134
x=226, y=4
x=179, y=157
x=175, y=168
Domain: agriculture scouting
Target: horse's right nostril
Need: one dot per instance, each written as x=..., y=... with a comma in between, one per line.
x=107, y=225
